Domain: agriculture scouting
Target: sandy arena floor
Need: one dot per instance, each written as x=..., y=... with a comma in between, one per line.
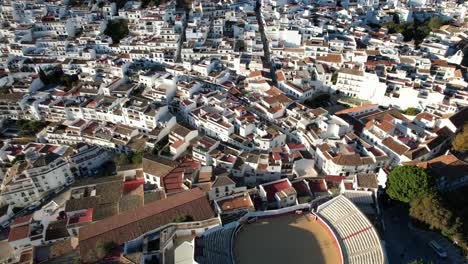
x=291, y=239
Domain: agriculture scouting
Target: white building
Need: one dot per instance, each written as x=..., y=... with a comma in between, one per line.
x=360, y=84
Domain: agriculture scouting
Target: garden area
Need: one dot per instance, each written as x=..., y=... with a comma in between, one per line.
x=26, y=128
x=428, y=208
x=414, y=31
x=352, y=101
x=319, y=100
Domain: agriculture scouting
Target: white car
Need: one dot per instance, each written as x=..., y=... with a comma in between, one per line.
x=438, y=249
x=6, y=224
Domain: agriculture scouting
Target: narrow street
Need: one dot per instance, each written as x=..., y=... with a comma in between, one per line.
x=180, y=42
x=266, y=46
x=404, y=244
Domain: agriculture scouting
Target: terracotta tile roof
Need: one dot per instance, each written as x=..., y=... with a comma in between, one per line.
x=153, y=196
x=318, y=185
x=334, y=178
x=156, y=166
x=435, y=142
x=351, y=71
x=177, y=144
x=19, y=232
x=333, y=58
x=173, y=182
x=460, y=118
x=131, y=185
x=22, y=220
x=56, y=230
x=425, y=116
x=348, y=160
x=417, y=153
x=272, y=188
x=133, y=223
x=448, y=166
x=280, y=76
x=355, y=109
x=386, y=126
x=132, y=201
x=255, y=74
x=395, y=146
x=348, y=186
x=367, y=180
x=373, y=52
x=222, y=181
x=236, y=202
x=445, y=132
x=301, y=187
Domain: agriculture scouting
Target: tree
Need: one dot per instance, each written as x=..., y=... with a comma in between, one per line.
x=436, y=23
x=318, y=100
x=460, y=142
x=428, y=209
x=122, y=159
x=30, y=127
x=416, y=30
x=103, y=248
x=396, y=18
x=117, y=29
x=4, y=91
x=17, y=209
x=412, y=111
x=18, y=158
x=43, y=76
x=334, y=78
x=58, y=77
x=68, y=80
x=408, y=182
x=137, y=157
x=183, y=219
x=418, y=261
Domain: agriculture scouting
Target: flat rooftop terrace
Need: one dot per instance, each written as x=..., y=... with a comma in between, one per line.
x=286, y=239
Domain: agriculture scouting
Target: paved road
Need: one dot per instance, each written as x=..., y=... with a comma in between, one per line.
x=405, y=244
x=266, y=46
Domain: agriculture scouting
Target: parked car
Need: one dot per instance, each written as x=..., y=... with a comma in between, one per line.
x=6, y=224
x=438, y=249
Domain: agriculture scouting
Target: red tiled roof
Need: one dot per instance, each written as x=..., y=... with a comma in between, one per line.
x=255, y=74
x=174, y=181
x=301, y=187
x=318, y=185
x=87, y=217
x=333, y=58
x=177, y=144
x=19, y=232
x=22, y=219
x=395, y=146
x=189, y=165
x=355, y=109
x=237, y=202
x=15, y=150
x=334, y=178
x=133, y=223
x=386, y=126
x=276, y=156
x=296, y=146
x=348, y=186
x=130, y=186
x=280, y=76
x=272, y=188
